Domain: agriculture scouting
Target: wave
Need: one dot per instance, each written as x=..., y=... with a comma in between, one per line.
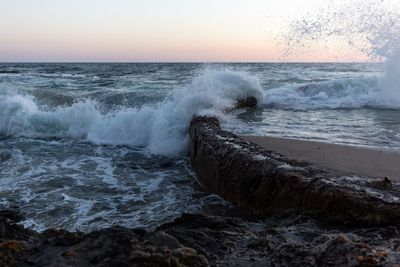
x=341, y=93
x=162, y=128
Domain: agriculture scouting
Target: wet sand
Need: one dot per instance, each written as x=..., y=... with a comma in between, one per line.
x=346, y=159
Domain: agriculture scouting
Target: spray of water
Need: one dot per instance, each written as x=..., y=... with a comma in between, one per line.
x=371, y=26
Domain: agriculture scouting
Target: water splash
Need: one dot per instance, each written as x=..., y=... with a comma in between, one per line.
x=372, y=27
x=162, y=128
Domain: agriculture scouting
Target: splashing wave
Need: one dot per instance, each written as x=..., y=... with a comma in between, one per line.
x=161, y=128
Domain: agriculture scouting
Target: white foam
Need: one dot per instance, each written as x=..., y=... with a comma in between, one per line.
x=235, y=146
x=289, y=167
x=259, y=157
x=149, y=186
x=105, y=170
x=32, y=224
x=161, y=128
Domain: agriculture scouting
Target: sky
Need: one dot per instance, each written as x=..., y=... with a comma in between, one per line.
x=151, y=31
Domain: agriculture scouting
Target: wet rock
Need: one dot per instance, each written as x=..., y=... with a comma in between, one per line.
x=114, y=246
x=249, y=102
x=201, y=240
x=9, y=230
x=187, y=257
x=211, y=236
x=385, y=183
x=10, y=215
x=163, y=239
x=60, y=237
x=265, y=183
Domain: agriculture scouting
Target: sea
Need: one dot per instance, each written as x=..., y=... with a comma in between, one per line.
x=85, y=146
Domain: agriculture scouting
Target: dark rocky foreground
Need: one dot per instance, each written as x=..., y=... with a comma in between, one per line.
x=200, y=240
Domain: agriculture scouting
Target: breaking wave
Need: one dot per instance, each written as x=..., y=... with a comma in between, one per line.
x=161, y=128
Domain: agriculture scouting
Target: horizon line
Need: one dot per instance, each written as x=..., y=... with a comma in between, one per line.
x=180, y=62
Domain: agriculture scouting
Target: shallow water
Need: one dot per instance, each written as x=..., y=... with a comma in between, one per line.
x=100, y=144
x=379, y=129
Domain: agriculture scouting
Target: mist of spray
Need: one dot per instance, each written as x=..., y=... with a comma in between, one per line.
x=370, y=26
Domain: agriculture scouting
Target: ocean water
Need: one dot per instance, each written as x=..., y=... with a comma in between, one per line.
x=85, y=146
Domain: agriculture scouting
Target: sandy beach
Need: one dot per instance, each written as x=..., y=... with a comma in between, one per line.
x=342, y=158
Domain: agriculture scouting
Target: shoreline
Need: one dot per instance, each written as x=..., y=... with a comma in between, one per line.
x=345, y=159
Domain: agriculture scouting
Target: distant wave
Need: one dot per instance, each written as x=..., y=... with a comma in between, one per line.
x=341, y=93
x=161, y=129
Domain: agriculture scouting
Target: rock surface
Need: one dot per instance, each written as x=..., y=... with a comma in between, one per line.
x=266, y=183
x=115, y=246
x=249, y=102
x=200, y=240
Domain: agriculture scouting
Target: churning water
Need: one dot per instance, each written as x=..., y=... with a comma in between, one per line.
x=99, y=144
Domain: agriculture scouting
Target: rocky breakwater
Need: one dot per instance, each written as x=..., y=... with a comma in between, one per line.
x=266, y=183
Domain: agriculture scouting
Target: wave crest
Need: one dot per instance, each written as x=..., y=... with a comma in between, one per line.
x=161, y=129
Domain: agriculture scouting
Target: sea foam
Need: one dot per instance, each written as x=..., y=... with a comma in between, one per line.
x=162, y=128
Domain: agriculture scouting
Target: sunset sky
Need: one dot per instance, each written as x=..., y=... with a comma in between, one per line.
x=151, y=30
